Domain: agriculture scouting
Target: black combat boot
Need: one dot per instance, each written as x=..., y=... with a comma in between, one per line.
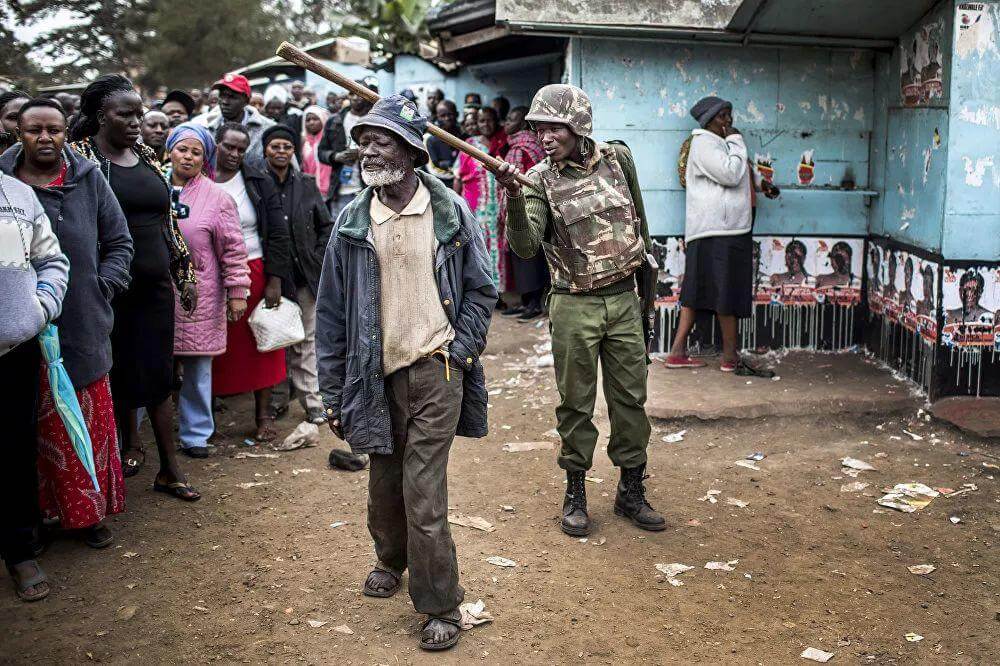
x=631, y=501
x=575, y=521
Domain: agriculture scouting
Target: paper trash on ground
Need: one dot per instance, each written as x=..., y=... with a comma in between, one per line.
x=305, y=435
x=671, y=571
x=343, y=629
x=732, y=501
x=474, y=613
x=316, y=624
x=710, y=496
x=860, y=465
x=816, y=655
x=475, y=522
x=722, y=566
x=748, y=464
x=674, y=437
x=908, y=497
x=516, y=447
x=498, y=561
x=921, y=569
x=853, y=487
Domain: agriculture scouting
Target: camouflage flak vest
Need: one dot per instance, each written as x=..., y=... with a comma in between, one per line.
x=597, y=241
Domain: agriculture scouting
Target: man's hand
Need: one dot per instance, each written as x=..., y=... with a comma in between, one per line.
x=730, y=131
x=272, y=292
x=189, y=297
x=335, y=428
x=348, y=156
x=235, y=308
x=507, y=176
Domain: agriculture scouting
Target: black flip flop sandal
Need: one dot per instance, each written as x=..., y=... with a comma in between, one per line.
x=435, y=647
x=132, y=461
x=182, y=491
x=744, y=369
x=98, y=536
x=370, y=591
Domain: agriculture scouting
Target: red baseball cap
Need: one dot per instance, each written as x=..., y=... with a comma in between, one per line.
x=235, y=82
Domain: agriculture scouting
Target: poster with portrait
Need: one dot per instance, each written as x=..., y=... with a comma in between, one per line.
x=921, y=316
x=669, y=253
x=892, y=284
x=971, y=303
x=785, y=270
x=875, y=270
x=837, y=266
x=921, y=64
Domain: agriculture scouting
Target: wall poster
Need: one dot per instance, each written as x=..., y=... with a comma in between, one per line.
x=971, y=303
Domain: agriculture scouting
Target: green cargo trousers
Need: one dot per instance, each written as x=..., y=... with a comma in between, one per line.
x=585, y=328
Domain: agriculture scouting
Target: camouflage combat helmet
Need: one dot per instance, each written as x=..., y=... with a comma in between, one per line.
x=561, y=103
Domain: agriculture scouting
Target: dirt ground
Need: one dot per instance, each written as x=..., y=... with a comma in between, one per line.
x=238, y=576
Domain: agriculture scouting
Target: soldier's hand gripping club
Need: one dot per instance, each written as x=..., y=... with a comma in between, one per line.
x=507, y=176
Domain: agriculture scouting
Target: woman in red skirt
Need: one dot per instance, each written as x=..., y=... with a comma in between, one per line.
x=242, y=368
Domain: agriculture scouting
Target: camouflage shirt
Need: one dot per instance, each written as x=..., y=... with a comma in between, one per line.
x=530, y=217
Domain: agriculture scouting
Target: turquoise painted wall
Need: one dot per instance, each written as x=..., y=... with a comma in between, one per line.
x=972, y=213
x=910, y=146
x=787, y=101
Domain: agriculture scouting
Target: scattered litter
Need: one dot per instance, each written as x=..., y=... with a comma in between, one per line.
x=853, y=487
x=130, y=554
x=674, y=437
x=551, y=433
x=955, y=520
x=249, y=442
x=253, y=484
x=671, y=571
x=722, y=566
x=914, y=638
x=756, y=456
x=303, y=470
x=339, y=523
x=913, y=435
x=860, y=465
x=316, y=624
x=344, y=629
x=594, y=479
x=242, y=455
x=516, y=447
x=474, y=613
x=908, y=497
x=881, y=454
x=748, y=464
x=710, y=496
x=497, y=391
x=816, y=655
x=543, y=361
x=599, y=542
x=694, y=522
x=475, y=522
x=966, y=488
x=498, y=561
x=921, y=569
x=200, y=609
x=508, y=508
x=583, y=540
x=305, y=435
x=126, y=613
x=732, y=501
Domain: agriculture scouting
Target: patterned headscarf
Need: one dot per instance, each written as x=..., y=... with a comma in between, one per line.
x=201, y=134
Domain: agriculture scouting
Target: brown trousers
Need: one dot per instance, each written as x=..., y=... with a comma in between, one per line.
x=408, y=489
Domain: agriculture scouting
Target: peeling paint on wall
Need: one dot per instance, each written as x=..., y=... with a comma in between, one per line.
x=984, y=116
x=975, y=171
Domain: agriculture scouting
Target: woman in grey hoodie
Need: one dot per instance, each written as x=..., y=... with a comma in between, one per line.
x=33, y=275
x=90, y=226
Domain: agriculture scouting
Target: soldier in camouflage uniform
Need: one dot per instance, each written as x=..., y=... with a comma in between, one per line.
x=584, y=211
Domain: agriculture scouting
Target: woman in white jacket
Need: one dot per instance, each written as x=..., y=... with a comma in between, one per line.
x=33, y=277
x=718, y=273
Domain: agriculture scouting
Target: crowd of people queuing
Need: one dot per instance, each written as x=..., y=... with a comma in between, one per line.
x=148, y=234
x=153, y=228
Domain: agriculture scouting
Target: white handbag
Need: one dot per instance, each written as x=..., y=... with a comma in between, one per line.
x=277, y=328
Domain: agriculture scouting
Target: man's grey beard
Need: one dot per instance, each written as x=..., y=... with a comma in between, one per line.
x=380, y=177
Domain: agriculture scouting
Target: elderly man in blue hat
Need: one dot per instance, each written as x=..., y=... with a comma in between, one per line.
x=404, y=304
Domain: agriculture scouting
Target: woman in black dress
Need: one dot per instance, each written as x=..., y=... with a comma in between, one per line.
x=107, y=132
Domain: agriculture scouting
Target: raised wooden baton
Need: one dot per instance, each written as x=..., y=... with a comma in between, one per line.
x=299, y=57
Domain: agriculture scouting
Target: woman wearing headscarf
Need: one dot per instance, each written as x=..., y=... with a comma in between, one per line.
x=93, y=234
x=718, y=270
x=479, y=187
x=265, y=233
x=210, y=223
x=107, y=134
x=33, y=277
x=314, y=120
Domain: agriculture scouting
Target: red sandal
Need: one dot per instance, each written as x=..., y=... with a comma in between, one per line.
x=679, y=362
